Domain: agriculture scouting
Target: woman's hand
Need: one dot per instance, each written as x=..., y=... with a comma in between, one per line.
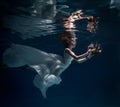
x=94, y=48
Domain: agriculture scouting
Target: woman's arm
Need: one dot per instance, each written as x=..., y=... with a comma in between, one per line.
x=92, y=50
x=77, y=57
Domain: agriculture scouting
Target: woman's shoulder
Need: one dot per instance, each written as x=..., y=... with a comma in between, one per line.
x=67, y=49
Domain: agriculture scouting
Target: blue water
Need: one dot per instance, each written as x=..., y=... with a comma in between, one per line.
x=94, y=83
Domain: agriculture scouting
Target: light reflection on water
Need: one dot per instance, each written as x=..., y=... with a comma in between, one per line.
x=30, y=27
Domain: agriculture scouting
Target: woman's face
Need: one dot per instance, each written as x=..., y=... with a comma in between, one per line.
x=73, y=42
x=69, y=39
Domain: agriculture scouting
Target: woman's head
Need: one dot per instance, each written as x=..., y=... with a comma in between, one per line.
x=68, y=39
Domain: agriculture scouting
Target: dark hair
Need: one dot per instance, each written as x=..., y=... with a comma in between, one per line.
x=65, y=38
x=93, y=19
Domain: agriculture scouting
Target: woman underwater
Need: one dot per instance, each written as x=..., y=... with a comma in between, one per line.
x=47, y=65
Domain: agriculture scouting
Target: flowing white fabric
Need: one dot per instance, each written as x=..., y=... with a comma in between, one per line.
x=47, y=65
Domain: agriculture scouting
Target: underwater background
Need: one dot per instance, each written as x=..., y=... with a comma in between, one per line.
x=38, y=23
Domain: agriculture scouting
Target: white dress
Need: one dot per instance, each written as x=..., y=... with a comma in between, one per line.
x=47, y=65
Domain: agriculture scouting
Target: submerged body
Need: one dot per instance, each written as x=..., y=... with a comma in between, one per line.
x=47, y=65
